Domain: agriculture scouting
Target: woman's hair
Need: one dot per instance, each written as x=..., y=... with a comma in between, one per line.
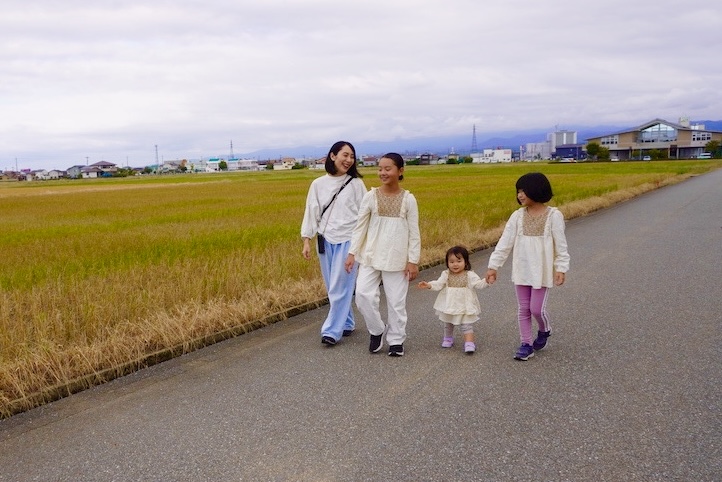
x=459, y=251
x=535, y=186
x=398, y=160
x=335, y=149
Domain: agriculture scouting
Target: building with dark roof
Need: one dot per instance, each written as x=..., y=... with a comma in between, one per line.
x=679, y=141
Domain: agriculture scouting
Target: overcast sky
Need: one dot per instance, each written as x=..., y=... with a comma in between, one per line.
x=109, y=80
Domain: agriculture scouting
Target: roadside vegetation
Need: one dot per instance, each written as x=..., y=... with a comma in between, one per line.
x=102, y=277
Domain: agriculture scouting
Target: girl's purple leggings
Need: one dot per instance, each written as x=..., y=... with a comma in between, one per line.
x=532, y=302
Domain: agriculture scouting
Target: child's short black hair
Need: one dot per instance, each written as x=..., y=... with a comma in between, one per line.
x=459, y=251
x=536, y=187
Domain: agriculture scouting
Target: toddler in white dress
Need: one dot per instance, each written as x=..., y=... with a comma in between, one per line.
x=457, y=303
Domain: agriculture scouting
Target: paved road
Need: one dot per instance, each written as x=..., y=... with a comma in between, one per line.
x=629, y=388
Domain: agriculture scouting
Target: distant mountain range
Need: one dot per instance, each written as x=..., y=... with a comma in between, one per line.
x=461, y=144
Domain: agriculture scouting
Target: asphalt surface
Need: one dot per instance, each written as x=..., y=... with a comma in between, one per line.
x=628, y=389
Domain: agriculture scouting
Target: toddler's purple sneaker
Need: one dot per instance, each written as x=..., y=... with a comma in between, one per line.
x=524, y=352
x=469, y=347
x=541, y=340
x=448, y=342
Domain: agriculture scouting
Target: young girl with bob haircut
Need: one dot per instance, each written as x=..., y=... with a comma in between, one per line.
x=331, y=211
x=457, y=303
x=387, y=245
x=536, y=234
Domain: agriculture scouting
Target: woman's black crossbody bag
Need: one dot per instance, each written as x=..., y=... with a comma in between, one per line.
x=319, y=236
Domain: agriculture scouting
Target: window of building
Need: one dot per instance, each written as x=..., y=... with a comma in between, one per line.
x=658, y=133
x=701, y=136
x=610, y=140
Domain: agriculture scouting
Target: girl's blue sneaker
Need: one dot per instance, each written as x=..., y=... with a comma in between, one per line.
x=541, y=340
x=524, y=352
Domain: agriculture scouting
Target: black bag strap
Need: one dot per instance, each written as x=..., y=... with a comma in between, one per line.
x=334, y=196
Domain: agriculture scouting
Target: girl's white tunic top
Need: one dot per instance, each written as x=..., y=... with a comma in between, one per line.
x=538, y=252
x=388, y=239
x=457, y=302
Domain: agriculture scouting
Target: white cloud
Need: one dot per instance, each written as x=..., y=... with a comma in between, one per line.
x=112, y=80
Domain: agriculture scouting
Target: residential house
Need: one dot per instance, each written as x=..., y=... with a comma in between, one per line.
x=428, y=159
x=91, y=172
x=213, y=165
x=106, y=167
x=172, y=166
x=369, y=161
x=12, y=176
x=249, y=165
x=319, y=163
x=37, y=175
x=285, y=163
x=74, y=172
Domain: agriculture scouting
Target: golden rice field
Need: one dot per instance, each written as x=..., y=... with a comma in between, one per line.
x=101, y=277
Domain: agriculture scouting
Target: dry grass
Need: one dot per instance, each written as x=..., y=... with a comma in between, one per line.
x=102, y=277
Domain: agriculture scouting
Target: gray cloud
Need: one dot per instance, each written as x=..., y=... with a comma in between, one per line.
x=112, y=80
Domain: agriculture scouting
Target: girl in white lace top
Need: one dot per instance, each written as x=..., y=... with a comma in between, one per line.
x=536, y=234
x=387, y=245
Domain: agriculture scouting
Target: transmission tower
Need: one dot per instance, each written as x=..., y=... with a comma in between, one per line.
x=231, y=156
x=474, y=147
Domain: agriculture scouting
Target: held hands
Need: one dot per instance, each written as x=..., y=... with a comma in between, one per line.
x=424, y=285
x=558, y=277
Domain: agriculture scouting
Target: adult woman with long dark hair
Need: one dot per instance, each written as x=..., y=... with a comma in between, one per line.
x=332, y=207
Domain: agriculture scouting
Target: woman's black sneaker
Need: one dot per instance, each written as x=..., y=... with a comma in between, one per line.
x=396, y=350
x=376, y=343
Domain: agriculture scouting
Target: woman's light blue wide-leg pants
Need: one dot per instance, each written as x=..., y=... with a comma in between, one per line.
x=340, y=286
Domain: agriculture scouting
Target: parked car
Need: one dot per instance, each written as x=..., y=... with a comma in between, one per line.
x=614, y=159
x=646, y=158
